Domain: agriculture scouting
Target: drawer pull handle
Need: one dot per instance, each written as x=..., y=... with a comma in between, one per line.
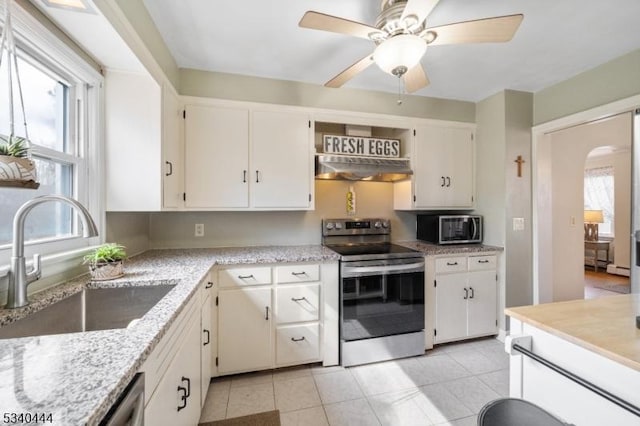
x=183, y=397
x=186, y=379
x=297, y=274
x=208, y=285
x=483, y=261
x=452, y=263
x=298, y=299
x=466, y=293
x=246, y=277
x=208, y=337
x=472, y=292
x=293, y=339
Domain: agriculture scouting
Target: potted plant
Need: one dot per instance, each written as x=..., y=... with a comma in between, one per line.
x=16, y=168
x=106, y=262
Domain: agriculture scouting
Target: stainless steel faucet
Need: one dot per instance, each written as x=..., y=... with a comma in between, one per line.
x=18, y=277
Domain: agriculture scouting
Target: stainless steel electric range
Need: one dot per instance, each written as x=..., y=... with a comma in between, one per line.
x=381, y=291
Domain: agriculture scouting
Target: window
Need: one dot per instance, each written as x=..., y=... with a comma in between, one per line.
x=598, y=195
x=61, y=95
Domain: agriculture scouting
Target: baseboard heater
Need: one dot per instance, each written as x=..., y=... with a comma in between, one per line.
x=618, y=270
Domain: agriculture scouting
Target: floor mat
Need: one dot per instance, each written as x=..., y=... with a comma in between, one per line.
x=618, y=288
x=268, y=418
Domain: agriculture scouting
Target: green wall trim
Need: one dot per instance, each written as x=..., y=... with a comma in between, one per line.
x=606, y=83
x=258, y=89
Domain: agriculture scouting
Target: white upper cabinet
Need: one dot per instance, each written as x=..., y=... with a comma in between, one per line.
x=281, y=160
x=443, y=166
x=216, y=157
x=239, y=157
x=143, y=146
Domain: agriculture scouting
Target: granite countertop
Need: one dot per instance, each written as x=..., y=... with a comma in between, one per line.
x=606, y=326
x=430, y=249
x=77, y=377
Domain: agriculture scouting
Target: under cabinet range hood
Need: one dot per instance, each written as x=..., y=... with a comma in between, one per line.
x=346, y=167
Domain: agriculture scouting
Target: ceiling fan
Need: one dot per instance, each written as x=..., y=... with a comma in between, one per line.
x=401, y=37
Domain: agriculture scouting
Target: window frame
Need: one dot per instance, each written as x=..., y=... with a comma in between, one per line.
x=85, y=130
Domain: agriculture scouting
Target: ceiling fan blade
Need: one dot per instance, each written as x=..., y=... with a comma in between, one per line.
x=320, y=21
x=350, y=72
x=415, y=79
x=489, y=30
x=420, y=8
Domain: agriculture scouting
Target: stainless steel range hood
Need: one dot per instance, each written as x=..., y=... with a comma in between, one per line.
x=346, y=167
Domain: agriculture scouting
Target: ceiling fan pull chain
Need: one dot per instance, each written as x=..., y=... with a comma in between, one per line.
x=399, y=101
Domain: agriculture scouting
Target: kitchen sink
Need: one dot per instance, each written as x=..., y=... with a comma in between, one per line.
x=89, y=310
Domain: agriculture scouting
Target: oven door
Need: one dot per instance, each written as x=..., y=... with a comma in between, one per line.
x=381, y=298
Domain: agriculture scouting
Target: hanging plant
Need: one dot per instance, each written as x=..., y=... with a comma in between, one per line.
x=17, y=169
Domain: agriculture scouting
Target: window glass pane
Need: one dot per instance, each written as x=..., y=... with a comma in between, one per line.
x=47, y=220
x=599, y=195
x=45, y=103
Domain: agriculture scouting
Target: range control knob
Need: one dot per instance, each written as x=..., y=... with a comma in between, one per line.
x=338, y=225
x=329, y=225
x=385, y=224
x=377, y=225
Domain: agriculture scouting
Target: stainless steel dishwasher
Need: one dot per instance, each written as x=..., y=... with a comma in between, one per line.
x=129, y=409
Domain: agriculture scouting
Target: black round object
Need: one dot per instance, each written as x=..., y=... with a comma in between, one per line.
x=516, y=412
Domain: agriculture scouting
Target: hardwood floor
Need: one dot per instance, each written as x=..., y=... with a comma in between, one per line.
x=592, y=281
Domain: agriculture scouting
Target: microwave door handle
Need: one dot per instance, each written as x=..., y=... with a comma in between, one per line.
x=475, y=229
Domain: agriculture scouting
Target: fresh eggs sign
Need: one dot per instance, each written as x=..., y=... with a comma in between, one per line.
x=358, y=145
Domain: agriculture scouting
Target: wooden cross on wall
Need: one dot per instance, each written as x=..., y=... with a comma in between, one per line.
x=520, y=162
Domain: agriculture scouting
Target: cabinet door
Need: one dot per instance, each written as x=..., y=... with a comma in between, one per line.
x=216, y=157
x=172, y=152
x=451, y=307
x=205, y=346
x=176, y=400
x=443, y=167
x=430, y=166
x=281, y=162
x=460, y=172
x=482, y=304
x=244, y=324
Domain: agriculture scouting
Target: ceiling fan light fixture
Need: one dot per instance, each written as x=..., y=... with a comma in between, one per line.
x=403, y=51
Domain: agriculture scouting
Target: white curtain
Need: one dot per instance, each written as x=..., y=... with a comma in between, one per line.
x=598, y=195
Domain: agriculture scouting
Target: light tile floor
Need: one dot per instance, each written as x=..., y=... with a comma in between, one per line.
x=447, y=386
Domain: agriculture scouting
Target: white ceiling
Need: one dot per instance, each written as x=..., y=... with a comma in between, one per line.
x=556, y=40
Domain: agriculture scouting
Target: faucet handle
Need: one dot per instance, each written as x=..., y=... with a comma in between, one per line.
x=36, y=272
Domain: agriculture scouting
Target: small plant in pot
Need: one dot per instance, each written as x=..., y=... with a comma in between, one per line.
x=106, y=262
x=15, y=164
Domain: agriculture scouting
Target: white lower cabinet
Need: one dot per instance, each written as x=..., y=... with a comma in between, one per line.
x=297, y=344
x=273, y=316
x=206, y=342
x=176, y=398
x=244, y=335
x=465, y=297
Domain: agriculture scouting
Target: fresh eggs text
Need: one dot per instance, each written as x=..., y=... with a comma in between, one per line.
x=352, y=145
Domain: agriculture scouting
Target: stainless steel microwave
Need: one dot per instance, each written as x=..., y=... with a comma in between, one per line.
x=449, y=229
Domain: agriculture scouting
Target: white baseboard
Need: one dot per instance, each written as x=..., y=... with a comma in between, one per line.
x=502, y=334
x=617, y=270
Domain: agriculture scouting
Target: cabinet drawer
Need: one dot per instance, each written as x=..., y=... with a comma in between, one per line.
x=482, y=263
x=451, y=264
x=297, y=303
x=244, y=276
x=297, y=273
x=296, y=344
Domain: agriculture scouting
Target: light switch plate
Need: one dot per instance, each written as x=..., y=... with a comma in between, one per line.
x=518, y=223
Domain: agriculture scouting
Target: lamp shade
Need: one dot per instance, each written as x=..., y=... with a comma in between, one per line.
x=593, y=216
x=401, y=51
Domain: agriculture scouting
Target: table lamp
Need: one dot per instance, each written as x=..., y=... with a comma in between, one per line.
x=591, y=220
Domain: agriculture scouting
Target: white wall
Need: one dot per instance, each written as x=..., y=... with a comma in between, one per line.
x=621, y=163
x=562, y=190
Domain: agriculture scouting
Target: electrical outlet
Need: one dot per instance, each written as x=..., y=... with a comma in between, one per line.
x=199, y=230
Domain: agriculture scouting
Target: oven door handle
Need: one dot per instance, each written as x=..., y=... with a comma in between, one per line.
x=375, y=270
